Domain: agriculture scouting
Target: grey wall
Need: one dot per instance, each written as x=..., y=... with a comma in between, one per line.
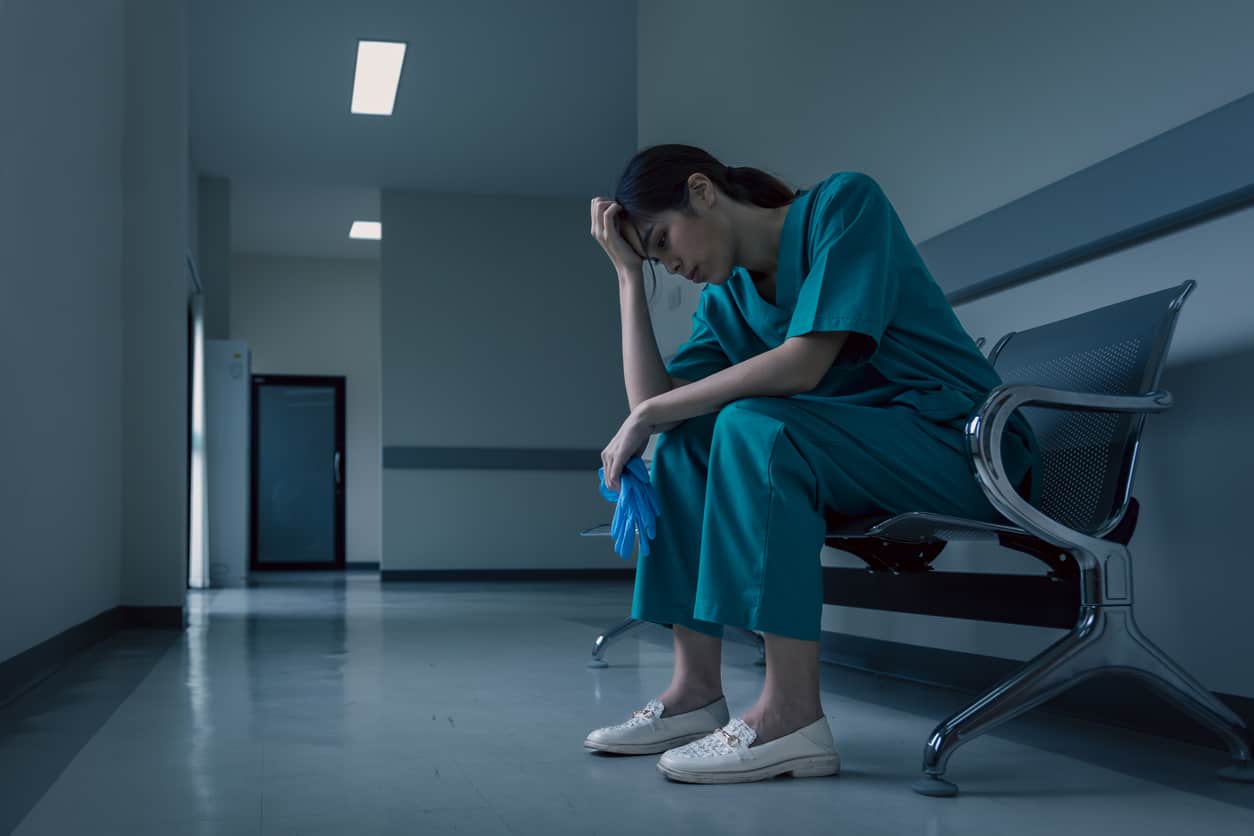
x=962, y=111
x=93, y=236
x=955, y=108
x=61, y=333
x=214, y=247
x=193, y=206
x=320, y=316
x=154, y=303
x=500, y=329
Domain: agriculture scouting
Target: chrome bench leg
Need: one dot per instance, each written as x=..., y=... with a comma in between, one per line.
x=628, y=624
x=1104, y=640
x=1059, y=667
x=1160, y=671
x=603, y=640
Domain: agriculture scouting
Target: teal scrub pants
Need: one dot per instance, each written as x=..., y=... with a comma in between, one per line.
x=743, y=491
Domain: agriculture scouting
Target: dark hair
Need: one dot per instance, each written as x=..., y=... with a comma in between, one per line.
x=656, y=180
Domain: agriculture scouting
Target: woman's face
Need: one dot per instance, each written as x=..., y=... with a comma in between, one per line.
x=696, y=244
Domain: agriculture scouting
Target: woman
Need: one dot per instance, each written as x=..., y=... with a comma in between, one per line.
x=825, y=370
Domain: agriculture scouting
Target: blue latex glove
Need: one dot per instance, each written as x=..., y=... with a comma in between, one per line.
x=636, y=508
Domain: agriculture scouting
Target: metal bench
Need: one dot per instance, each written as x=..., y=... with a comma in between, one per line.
x=1085, y=384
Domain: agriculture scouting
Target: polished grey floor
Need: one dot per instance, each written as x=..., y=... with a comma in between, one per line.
x=337, y=705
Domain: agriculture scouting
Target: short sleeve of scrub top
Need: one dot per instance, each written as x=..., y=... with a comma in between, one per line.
x=702, y=354
x=852, y=284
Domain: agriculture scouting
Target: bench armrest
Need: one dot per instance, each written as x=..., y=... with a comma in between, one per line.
x=984, y=435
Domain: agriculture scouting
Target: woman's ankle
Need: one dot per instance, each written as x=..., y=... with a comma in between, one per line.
x=684, y=699
x=780, y=710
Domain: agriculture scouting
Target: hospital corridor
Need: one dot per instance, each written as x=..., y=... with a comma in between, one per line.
x=688, y=417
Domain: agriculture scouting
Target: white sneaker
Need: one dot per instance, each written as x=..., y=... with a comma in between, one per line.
x=648, y=732
x=724, y=757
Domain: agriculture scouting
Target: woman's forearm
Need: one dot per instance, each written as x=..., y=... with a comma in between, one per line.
x=773, y=373
x=643, y=371
x=795, y=366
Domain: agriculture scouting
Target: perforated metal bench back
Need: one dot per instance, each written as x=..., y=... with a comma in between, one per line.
x=1089, y=457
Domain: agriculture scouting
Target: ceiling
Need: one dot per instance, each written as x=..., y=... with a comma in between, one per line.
x=309, y=221
x=496, y=97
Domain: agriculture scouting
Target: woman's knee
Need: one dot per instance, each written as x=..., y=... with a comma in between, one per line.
x=748, y=415
x=756, y=434
x=695, y=432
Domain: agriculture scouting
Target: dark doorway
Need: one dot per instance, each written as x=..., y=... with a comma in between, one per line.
x=298, y=468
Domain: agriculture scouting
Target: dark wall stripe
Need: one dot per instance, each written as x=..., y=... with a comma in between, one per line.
x=162, y=618
x=1191, y=173
x=489, y=458
x=43, y=729
x=28, y=668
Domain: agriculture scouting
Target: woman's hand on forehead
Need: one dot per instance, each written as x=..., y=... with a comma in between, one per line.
x=608, y=230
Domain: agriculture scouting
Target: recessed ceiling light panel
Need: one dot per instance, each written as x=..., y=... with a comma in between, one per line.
x=378, y=74
x=366, y=230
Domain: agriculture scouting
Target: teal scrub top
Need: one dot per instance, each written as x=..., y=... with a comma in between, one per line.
x=847, y=264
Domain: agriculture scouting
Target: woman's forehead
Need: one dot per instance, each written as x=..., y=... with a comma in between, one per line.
x=636, y=231
x=646, y=230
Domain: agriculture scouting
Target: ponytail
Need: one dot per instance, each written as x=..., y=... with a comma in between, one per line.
x=752, y=185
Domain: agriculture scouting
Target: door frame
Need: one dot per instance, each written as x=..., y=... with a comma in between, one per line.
x=339, y=383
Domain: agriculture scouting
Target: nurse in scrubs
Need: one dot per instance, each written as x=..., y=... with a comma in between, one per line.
x=825, y=370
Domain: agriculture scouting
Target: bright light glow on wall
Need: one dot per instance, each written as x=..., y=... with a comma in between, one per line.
x=198, y=532
x=367, y=230
x=378, y=74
